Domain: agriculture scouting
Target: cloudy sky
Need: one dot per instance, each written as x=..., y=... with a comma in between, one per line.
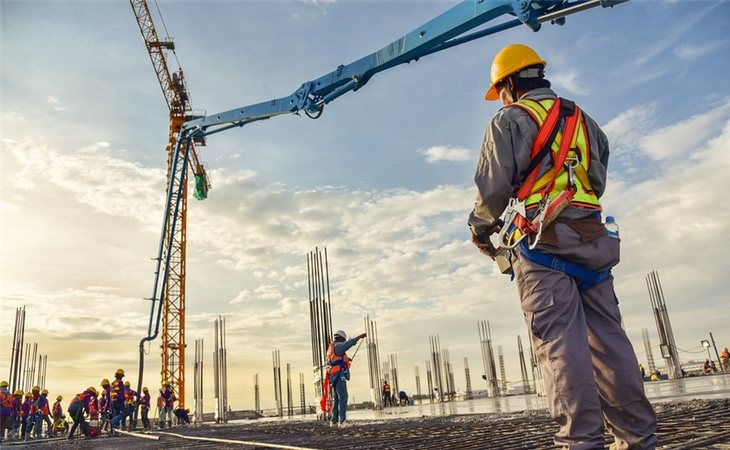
x=383, y=180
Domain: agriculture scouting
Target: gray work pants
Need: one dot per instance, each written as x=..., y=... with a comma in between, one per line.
x=587, y=363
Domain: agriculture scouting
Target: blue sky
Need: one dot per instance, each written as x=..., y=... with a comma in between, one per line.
x=383, y=178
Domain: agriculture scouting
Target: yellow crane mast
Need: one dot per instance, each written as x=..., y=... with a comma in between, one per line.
x=176, y=95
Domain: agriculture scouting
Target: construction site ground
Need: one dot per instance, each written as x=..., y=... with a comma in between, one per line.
x=692, y=424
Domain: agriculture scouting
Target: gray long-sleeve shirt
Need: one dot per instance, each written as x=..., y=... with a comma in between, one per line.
x=505, y=156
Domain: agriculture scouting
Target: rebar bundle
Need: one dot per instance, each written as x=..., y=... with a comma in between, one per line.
x=419, y=396
x=490, y=371
x=647, y=348
x=502, y=374
x=198, y=382
x=526, y=389
x=664, y=326
x=371, y=342
x=302, y=398
x=16, y=357
x=220, y=371
x=438, y=378
x=320, y=316
x=429, y=380
x=289, y=392
x=468, y=395
x=256, y=393
x=277, y=383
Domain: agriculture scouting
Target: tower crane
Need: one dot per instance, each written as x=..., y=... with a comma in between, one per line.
x=172, y=299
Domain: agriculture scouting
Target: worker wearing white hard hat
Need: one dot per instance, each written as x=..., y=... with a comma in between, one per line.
x=339, y=373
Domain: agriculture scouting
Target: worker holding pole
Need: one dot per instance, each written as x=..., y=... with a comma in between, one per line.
x=339, y=373
x=541, y=172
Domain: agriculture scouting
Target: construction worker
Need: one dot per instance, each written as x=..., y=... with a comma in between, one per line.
x=725, y=360
x=130, y=396
x=339, y=373
x=105, y=404
x=35, y=412
x=182, y=415
x=80, y=405
x=587, y=362
x=168, y=404
x=6, y=409
x=17, y=415
x=26, y=420
x=144, y=402
x=42, y=415
x=387, y=400
x=57, y=413
x=118, y=399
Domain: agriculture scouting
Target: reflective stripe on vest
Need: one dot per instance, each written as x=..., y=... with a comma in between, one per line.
x=336, y=362
x=584, y=195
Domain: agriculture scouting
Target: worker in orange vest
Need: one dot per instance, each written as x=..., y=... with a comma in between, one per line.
x=6, y=408
x=57, y=413
x=339, y=373
x=81, y=405
x=42, y=415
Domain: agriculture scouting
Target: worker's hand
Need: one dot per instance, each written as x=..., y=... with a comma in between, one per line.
x=362, y=335
x=483, y=243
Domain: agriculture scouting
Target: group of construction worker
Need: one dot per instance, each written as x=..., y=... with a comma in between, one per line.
x=114, y=407
x=23, y=414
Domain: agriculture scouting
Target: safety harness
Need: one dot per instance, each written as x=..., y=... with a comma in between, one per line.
x=565, y=184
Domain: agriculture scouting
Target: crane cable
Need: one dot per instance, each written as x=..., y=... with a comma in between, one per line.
x=167, y=33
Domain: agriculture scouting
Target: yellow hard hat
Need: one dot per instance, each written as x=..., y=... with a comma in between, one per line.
x=36, y=388
x=59, y=398
x=3, y=384
x=166, y=383
x=105, y=382
x=44, y=392
x=19, y=392
x=126, y=384
x=144, y=389
x=92, y=389
x=28, y=395
x=119, y=372
x=509, y=60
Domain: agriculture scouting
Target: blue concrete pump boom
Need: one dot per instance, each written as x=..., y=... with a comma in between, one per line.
x=445, y=31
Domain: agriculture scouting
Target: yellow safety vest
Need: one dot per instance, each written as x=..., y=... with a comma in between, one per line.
x=584, y=195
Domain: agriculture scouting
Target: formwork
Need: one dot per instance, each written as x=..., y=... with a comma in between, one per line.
x=696, y=424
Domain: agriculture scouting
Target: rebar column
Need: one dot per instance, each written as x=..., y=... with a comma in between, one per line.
x=523, y=368
x=429, y=379
x=435, y=345
x=302, y=398
x=664, y=326
x=198, y=382
x=256, y=393
x=503, y=376
x=277, y=383
x=220, y=369
x=647, y=348
x=16, y=357
x=490, y=371
x=320, y=317
x=289, y=392
x=371, y=342
x=419, y=395
x=468, y=395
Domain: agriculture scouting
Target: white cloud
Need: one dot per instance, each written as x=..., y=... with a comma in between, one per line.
x=55, y=103
x=570, y=81
x=694, y=51
x=447, y=153
x=680, y=137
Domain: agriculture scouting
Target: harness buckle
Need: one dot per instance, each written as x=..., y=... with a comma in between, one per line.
x=514, y=210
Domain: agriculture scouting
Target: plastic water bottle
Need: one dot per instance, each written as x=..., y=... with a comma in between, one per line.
x=611, y=227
